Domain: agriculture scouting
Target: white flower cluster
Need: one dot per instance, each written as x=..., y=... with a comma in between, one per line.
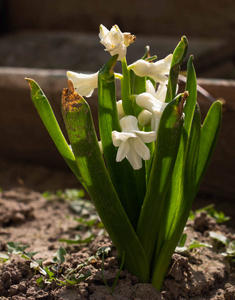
x=131, y=141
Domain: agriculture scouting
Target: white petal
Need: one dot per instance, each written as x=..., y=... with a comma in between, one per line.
x=134, y=158
x=161, y=92
x=144, y=118
x=84, y=83
x=120, y=110
x=146, y=101
x=101, y=147
x=122, y=151
x=149, y=102
x=120, y=49
x=146, y=136
x=103, y=32
x=156, y=71
x=150, y=88
x=141, y=68
x=158, y=77
x=164, y=65
x=129, y=123
x=141, y=149
x=118, y=137
x=155, y=122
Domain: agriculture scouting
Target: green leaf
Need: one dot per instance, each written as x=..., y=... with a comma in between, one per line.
x=219, y=216
x=129, y=187
x=40, y=282
x=209, y=136
x=186, y=158
x=78, y=239
x=177, y=59
x=192, y=245
x=49, y=273
x=196, y=244
x=29, y=255
x=16, y=248
x=163, y=163
x=46, y=113
x=191, y=162
x=181, y=192
x=59, y=256
x=81, y=132
x=75, y=279
x=182, y=240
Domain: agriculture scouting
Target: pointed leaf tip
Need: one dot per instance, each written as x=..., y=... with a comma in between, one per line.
x=29, y=80
x=184, y=39
x=107, y=69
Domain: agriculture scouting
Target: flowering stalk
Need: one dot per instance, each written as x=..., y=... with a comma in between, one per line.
x=154, y=150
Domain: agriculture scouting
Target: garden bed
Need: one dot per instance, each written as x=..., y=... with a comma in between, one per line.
x=39, y=221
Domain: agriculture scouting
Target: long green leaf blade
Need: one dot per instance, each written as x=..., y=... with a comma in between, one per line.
x=46, y=113
x=174, y=193
x=81, y=132
x=177, y=59
x=163, y=163
x=170, y=235
x=183, y=175
x=209, y=136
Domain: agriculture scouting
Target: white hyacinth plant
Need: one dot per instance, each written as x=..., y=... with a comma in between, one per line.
x=145, y=172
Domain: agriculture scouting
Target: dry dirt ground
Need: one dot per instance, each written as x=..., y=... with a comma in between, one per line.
x=29, y=218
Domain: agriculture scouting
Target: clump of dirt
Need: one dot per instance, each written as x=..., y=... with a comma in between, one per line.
x=28, y=218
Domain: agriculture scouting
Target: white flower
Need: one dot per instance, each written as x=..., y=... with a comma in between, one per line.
x=115, y=41
x=120, y=110
x=153, y=105
x=131, y=142
x=84, y=83
x=144, y=118
x=157, y=71
x=160, y=94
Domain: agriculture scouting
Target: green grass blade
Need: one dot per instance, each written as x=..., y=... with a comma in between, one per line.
x=128, y=183
x=209, y=136
x=177, y=59
x=45, y=112
x=163, y=163
x=81, y=132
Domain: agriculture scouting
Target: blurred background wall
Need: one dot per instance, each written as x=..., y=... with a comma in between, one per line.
x=201, y=18
x=57, y=33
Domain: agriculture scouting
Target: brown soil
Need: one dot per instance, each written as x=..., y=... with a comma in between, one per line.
x=27, y=217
